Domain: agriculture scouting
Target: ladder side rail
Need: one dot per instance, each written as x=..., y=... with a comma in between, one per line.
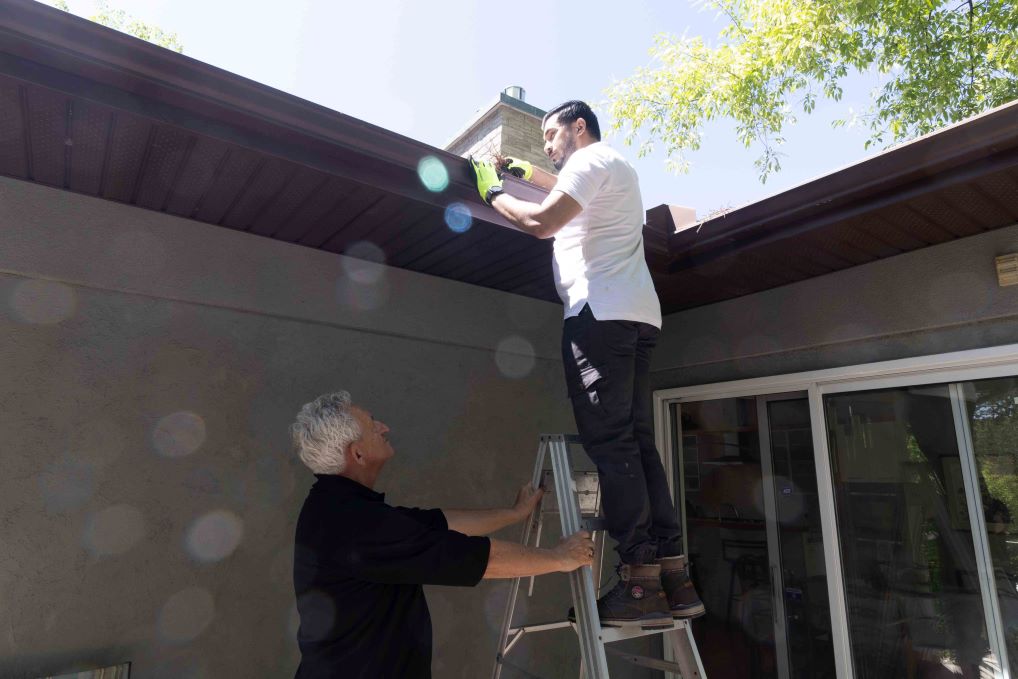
x=537, y=543
x=592, y=637
x=595, y=665
x=503, y=637
x=687, y=656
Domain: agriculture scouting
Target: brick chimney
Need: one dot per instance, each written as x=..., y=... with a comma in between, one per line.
x=509, y=126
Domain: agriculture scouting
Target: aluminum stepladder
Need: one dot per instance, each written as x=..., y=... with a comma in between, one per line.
x=592, y=637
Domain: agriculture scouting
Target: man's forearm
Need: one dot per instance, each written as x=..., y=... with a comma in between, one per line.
x=513, y=560
x=521, y=214
x=546, y=180
x=479, y=521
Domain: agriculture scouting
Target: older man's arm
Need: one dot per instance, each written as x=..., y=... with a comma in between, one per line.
x=486, y=521
x=513, y=560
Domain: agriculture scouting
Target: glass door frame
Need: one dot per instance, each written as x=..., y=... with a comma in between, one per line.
x=950, y=368
x=771, y=520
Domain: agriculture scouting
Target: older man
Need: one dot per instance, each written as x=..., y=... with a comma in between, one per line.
x=359, y=563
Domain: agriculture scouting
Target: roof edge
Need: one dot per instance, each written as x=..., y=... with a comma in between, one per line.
x=953, y=146
x=53, y=37
x=56, y=41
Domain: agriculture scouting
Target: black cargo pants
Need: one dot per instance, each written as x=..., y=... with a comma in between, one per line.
x=607, y=366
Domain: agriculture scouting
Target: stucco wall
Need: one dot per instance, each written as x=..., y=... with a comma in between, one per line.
x=151, y=367
x=939, y=299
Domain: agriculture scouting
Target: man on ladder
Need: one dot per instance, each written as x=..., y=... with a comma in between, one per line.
x=612, y=320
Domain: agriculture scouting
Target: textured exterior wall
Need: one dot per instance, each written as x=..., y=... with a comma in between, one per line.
x=151, y=368
x=939, y=299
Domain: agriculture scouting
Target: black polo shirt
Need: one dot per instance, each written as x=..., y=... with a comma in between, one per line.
x=358, y=568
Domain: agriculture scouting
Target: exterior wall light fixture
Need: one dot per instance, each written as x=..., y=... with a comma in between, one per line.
x=1007, y=269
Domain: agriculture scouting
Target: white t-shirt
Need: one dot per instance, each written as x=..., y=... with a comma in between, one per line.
x=599, y=257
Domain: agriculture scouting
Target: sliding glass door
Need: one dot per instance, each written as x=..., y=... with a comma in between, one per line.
x=926, y=495
x=864, y=525
x=803, y=611
x=753, y=535
x=727, y=537
x=990, y=430
x=910, y=571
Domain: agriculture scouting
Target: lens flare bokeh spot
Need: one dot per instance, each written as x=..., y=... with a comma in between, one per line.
x=318, y=613
x=100, y=443
x=514, y=357
x=67, y=484
x=433, y=174
x=458, y=217
x=179, y=434
x=292, y=622
x=364, y=262
x=214, y=536
x=186, y=614
x=42, y=302
x=138, y=253
x=114, y=530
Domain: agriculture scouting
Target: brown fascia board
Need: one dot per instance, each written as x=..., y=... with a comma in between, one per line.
x=56, y=49
x=985, y=143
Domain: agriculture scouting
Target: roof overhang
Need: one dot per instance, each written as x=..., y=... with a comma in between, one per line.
x=954, y=183
x=92, y=110
x=86, y=100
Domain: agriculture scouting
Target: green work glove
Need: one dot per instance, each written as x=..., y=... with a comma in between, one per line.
x=488, y=182
x=519, y=168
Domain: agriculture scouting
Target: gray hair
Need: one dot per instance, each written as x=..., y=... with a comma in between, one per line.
x=323, y=430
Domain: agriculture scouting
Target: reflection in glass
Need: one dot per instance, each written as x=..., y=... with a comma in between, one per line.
x=727, y=538
x=912, y=589
x=992, y=409
x=803, y=571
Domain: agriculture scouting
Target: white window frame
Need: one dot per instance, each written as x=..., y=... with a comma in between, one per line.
x=959, y=366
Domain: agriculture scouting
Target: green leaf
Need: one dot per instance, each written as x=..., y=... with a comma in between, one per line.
x=944, y=64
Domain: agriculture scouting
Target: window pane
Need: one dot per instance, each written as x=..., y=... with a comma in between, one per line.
x=993, y=419
x=914, y=607
x=727, y=538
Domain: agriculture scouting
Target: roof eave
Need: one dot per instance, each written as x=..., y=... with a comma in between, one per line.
x=830, y=197
x=69, y=45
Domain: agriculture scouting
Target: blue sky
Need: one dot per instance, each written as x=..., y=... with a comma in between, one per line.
x=423, y=69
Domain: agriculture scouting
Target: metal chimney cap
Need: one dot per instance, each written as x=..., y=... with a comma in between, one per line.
x=516, y=92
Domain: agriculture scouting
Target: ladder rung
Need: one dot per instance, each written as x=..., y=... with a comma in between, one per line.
x=540, y=627
x=612, y=634
x=644, y=661
x=572, y=439
x=609, y=634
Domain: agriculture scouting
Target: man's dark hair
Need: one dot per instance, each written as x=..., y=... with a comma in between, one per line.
x=573, y=110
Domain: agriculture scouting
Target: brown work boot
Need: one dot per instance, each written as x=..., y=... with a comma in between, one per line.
x=636, y=599
x=683, y=600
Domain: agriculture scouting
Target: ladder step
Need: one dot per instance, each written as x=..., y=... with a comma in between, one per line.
x=571, y=439
x=611, y=634
x=644, y=661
